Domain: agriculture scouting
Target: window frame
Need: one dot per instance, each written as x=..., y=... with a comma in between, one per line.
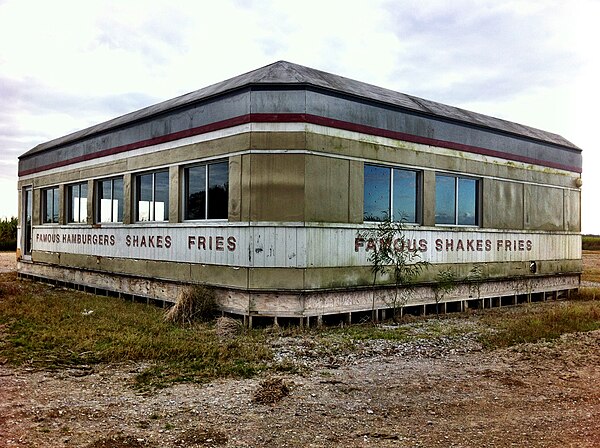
x=457, y=203
x=418, y=195
x=98, y=203
x=27, y=221
x=69, y=197
x=55, y=204
x=152, y=207
x=207, y=197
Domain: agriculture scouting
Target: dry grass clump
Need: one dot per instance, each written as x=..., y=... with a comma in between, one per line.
x=271, y=391
x=227, y=328
x=543, y=323
x=194, y=303
x=587, y=293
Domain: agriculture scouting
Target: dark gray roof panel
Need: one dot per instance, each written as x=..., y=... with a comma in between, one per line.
x=286, y=73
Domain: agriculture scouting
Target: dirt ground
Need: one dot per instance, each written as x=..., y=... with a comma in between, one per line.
x=437, y=393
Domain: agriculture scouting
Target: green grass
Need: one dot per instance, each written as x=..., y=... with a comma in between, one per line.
x=45, y=327
x=52, y=328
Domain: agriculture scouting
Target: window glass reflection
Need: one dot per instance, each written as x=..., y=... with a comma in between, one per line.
x=445, y=199
x=376, y=193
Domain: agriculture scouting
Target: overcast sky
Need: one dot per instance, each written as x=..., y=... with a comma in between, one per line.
x=65, y=65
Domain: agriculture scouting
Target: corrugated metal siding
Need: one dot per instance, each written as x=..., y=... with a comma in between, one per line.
x=298, y=247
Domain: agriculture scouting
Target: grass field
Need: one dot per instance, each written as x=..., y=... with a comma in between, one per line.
x=51, y=328
x=591, y=266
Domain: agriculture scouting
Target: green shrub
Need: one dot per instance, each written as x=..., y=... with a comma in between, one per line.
x=8, y=234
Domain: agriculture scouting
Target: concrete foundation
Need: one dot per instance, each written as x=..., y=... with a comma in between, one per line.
x=315, y=307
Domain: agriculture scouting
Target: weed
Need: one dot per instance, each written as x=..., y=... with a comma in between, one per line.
x=194, y=303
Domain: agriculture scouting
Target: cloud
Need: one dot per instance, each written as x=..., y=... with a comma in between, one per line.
x=459, y=51
x=34, y=112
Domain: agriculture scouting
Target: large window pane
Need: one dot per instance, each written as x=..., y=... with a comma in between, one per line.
x=467, y=201
x=195, y=179
x=117, y=200
x=207, y=191
x=110, y=200
x=218, y=190
x=161, y=196
x=376, y=193
x=48, y=202
x=77, y=203
x=445, y=199
x=145, y=211
x=456, y=200
x=152, y=196
x=404, y=196
x=50, y=205
x=55, y=206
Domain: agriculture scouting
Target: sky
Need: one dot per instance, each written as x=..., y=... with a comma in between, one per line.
x=66, y=65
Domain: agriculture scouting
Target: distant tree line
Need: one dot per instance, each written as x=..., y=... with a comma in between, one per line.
x=590, y=242
x=8, y=234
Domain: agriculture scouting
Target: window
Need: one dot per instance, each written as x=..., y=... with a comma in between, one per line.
x=50, y=205
x=110, y=200
x=456, y=200
x=391, y=192
x=200, y=179
x=77, y=202
x=152, y=196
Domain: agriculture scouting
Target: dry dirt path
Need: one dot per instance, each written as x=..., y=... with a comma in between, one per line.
x=542, y=395
x=536, y=396
x=8, y=261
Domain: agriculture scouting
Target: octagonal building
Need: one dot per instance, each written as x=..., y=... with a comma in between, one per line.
x=263, y=186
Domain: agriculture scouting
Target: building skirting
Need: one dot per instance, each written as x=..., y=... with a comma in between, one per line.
x=317, y=304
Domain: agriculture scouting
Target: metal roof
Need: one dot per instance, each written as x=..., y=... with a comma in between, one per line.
x=284, y=73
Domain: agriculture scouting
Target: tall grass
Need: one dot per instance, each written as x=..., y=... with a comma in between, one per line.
x=541, y=323
x=46, y=327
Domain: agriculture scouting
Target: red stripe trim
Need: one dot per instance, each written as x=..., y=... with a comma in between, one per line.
x=298, y=118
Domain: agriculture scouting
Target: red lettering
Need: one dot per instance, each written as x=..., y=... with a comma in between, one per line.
x=488, y=245
x=168, y=241
x=479, y=245
x=439, y=245
x=449, y=244
x=459, y=245
x=202, y=242
x=358, y=243
x=423, y=245
x=231, y=243
x=371, y=245
x=470, y=245
x=219, y=241
x=398, y=245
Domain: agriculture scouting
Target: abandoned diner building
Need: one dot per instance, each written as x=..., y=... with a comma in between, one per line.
x=262, y=186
